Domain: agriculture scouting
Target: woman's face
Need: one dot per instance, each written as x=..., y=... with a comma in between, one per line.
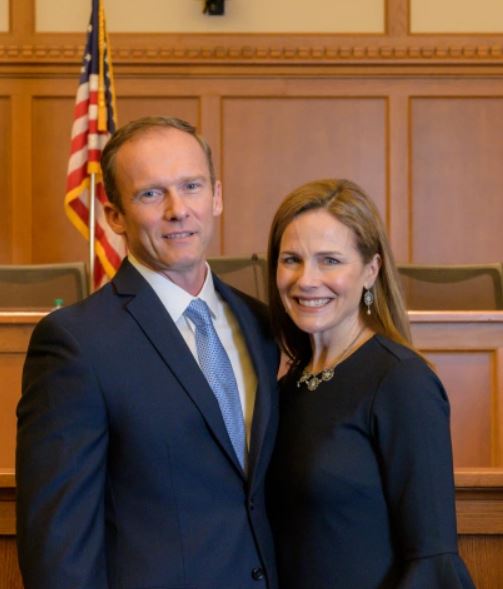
x=321, y=274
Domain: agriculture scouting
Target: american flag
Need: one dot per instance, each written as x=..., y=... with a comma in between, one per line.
x=94, y=122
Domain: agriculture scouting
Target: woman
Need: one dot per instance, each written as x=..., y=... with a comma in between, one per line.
x=361, y=481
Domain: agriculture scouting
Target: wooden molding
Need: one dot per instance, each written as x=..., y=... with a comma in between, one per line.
x=456, y=316
x=22, y=45
x=476, y=478
x=265, y=49
x=479, y=500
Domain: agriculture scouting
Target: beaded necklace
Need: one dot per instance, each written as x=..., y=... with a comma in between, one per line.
x=314, y=379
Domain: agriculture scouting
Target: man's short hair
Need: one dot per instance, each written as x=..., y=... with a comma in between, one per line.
x=135, y=129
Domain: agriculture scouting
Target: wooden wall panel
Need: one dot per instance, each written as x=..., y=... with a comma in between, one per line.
x=457, y=179
x=130, y=107
x=466, y=349
x=15, y=333
x=5, y=166
x=10, y=577
x=268, y=136
x=10, y=369
x=467, y=378
x=482, y=556
x=273, y=144
x=54, y=239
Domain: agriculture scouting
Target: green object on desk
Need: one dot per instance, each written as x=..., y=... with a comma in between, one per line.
x=58, y=303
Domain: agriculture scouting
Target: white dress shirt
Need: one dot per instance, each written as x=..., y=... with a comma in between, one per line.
x=176, y=300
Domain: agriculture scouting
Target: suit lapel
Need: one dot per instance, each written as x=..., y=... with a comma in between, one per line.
x=153, y=319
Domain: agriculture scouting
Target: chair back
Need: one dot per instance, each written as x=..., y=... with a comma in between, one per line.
x=246, y=273
x=467, y=287
x=39, y=285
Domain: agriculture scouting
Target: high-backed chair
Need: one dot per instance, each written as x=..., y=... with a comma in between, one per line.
x=452, y=287
x=39, y=285
x=246, y=273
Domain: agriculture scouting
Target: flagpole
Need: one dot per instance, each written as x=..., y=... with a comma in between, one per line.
x=92, y=216
x=94, y=122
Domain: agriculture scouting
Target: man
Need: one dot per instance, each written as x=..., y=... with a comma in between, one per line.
x=130, y=472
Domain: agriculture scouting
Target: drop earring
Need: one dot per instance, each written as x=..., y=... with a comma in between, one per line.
x=368, y=299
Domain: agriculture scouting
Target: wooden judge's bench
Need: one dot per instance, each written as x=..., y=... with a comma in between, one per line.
x=467, y=350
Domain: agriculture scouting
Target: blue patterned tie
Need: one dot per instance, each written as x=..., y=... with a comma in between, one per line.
x=217, y=369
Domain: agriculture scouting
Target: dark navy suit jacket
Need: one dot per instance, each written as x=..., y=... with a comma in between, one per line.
x=126, y=476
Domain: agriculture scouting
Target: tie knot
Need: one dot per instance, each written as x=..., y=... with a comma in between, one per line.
x=199, y=312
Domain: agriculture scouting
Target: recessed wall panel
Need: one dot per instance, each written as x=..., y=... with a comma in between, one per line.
x=456, y=179
x=54, y=238
x=5, y=193
x=467, y=378
x=241, y=16
x=10, y=369
x=4, y=16
x=456, y=16
x=272, y=145
x=133, y=107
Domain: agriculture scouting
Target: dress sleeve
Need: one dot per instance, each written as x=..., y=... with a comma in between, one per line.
x=60, y=465
x=410, y=423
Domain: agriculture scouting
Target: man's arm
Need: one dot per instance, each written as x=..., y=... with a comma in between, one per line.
x=61, y=464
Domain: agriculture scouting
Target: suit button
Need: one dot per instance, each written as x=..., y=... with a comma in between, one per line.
x=258, y=573
x=251, y=505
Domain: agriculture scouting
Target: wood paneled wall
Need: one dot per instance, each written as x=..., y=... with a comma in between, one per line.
x=417, y=120
x=431, y=162
x=466, y=350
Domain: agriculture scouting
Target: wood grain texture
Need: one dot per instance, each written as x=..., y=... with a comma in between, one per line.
x=465, y=350
x=21, y=194
x=53, y=236
x=10, y=577
x=468, y=379
x=5, y=180
x=456, y=179
x=273, y=144
x=15, y=333
x=11, y=366
x=271, y=131
x=482, y=555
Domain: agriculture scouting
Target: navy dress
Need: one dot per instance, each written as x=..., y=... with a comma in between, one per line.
x=361, y=482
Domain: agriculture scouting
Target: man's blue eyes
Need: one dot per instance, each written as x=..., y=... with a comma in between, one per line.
x=193, y=185
x=189, y=187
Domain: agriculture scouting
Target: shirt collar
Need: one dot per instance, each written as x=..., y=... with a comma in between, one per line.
x=174, y=297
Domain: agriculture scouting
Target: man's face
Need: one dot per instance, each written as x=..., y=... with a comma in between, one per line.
x=168, y=204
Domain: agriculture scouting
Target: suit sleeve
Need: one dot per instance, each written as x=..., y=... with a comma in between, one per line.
x=411, y=426
x=60, y=464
